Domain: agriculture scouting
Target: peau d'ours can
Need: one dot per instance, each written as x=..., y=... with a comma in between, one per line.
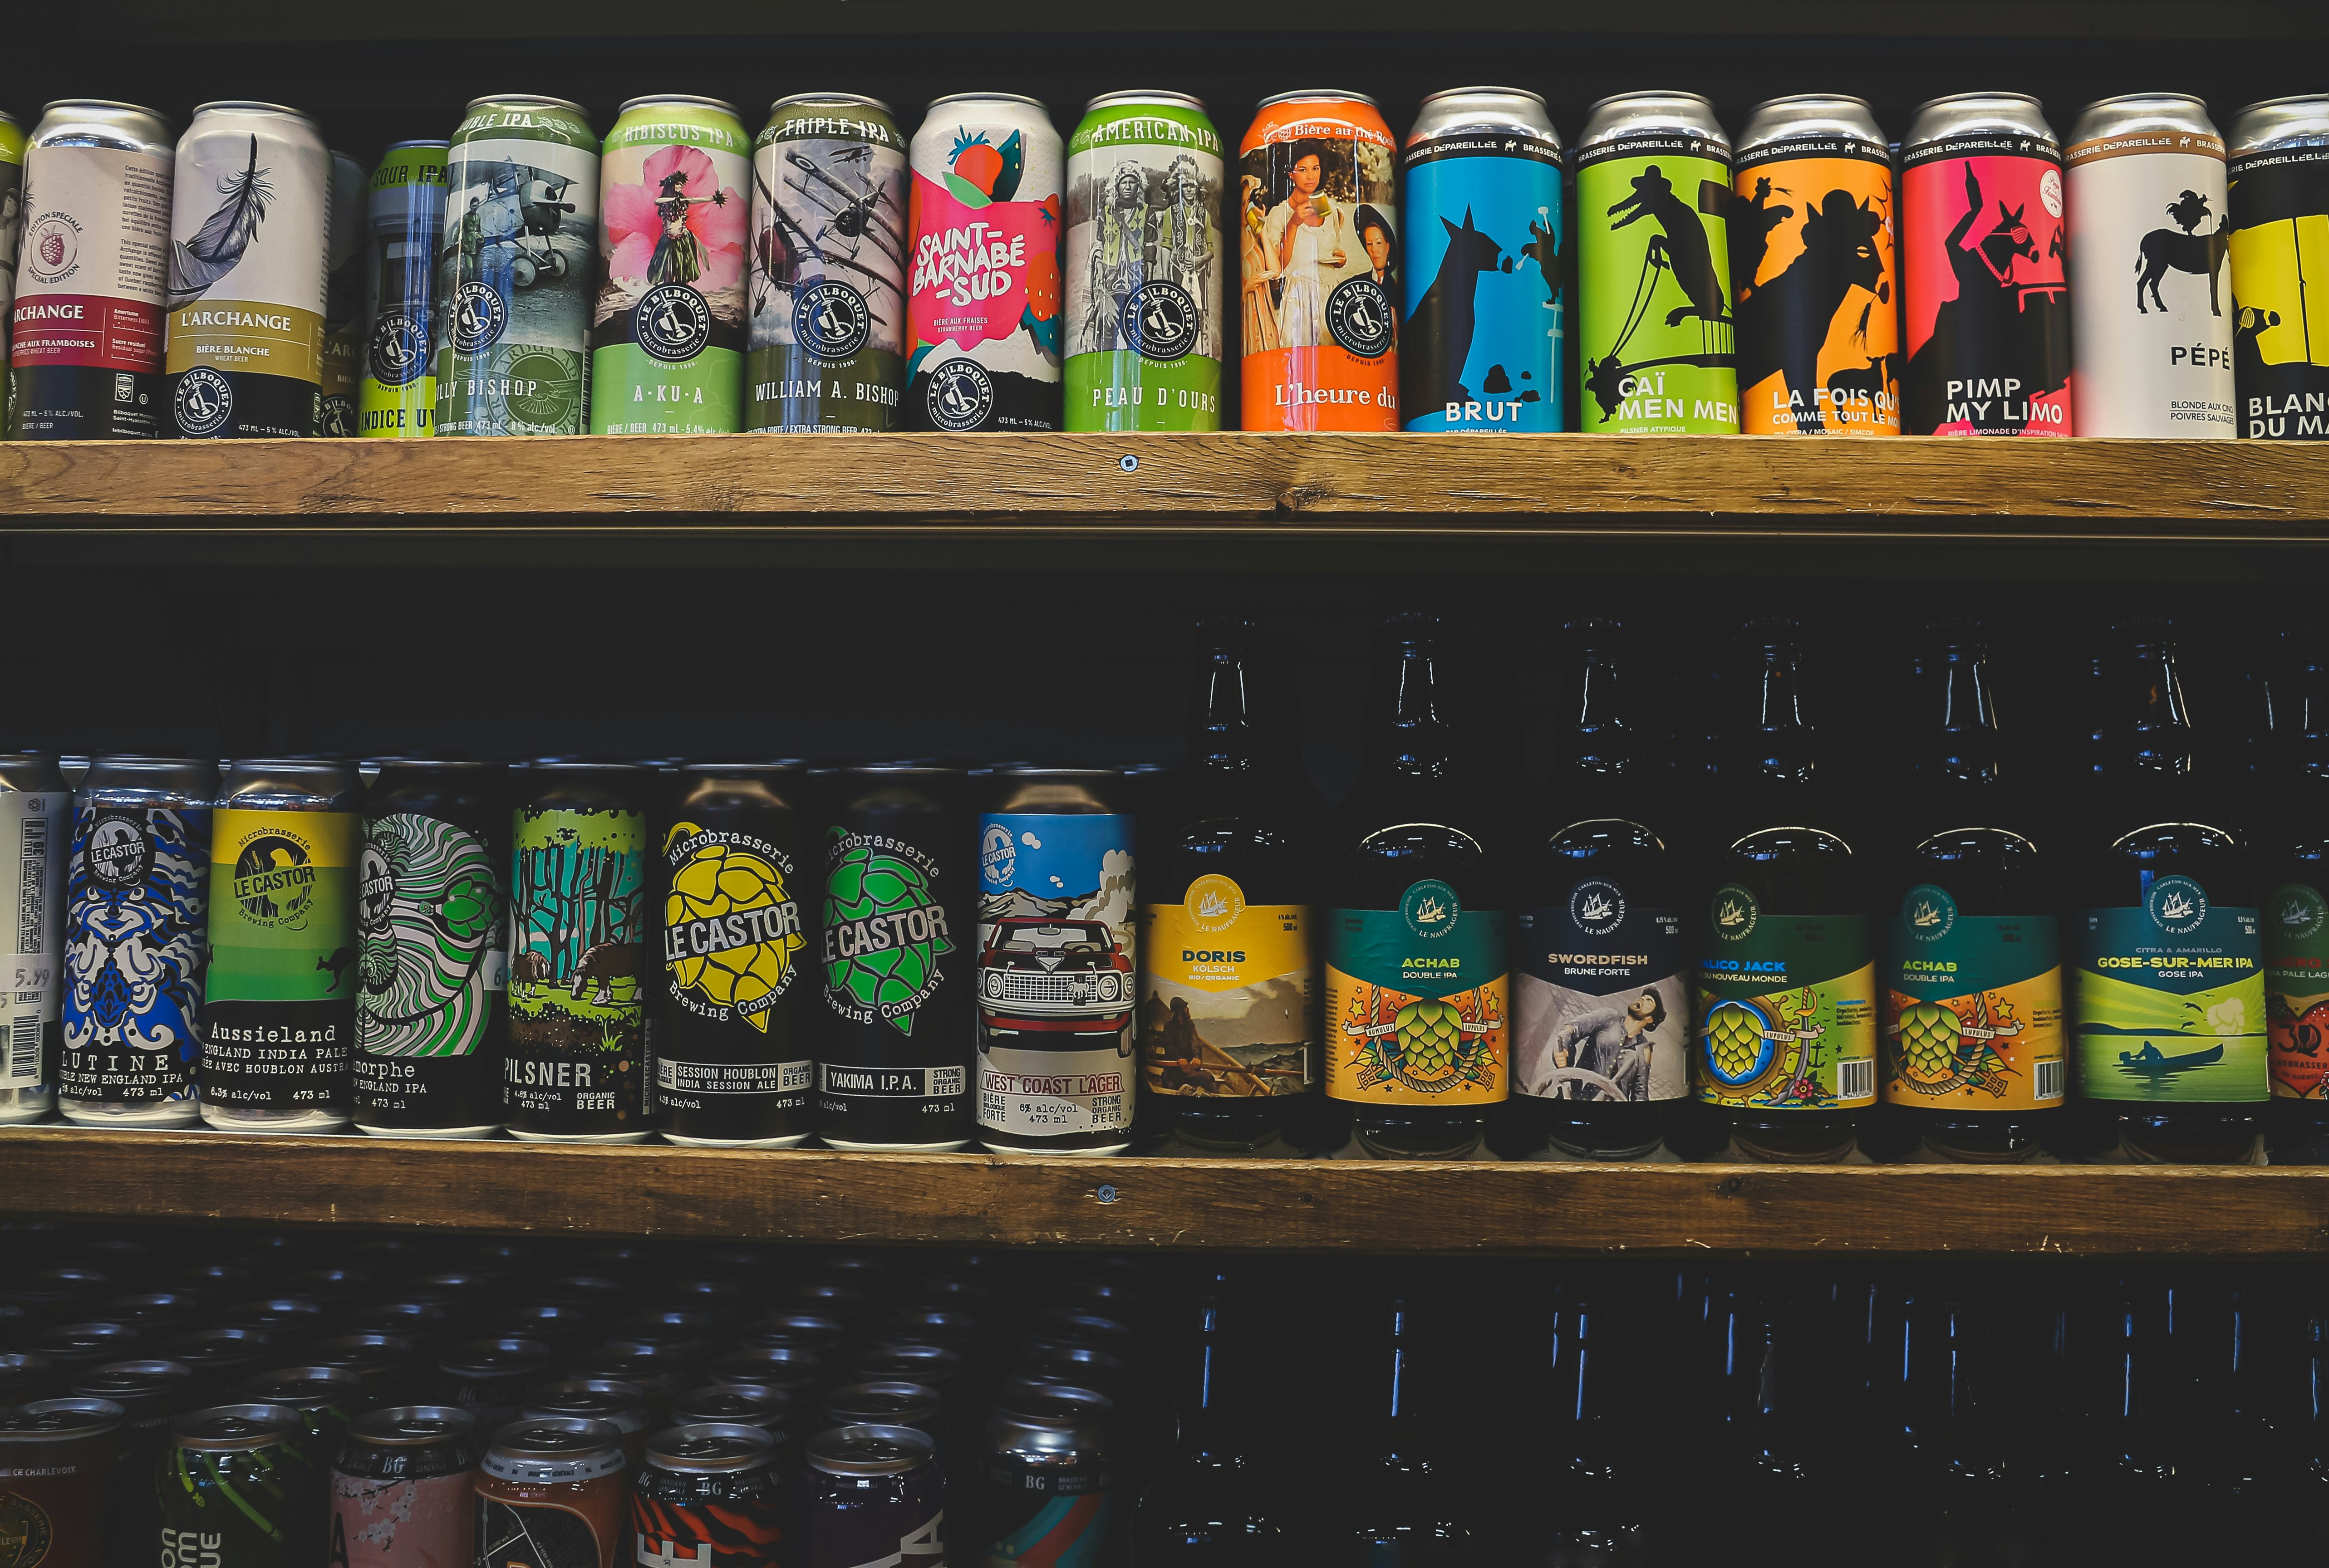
x=404, y=225
x=35, y=821
x=830, y=232
x=403, y=1490
x=2279, y=195
x=552, y=1493
x=713, y=1493
x=1046, y=1479
x=346, y=324
x=56, y=1456
x=239, y=1485
x=874, y=1496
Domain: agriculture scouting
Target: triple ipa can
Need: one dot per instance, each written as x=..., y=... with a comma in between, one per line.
x=56, y=1456
x=830, y=230
x=1045, y=1480
x=345, y=324
x=1814, y=263
x=35, y=819
x=875, y=1495
x=249, y=237
x=712, y=1494
x=2281, y=239
x=983, y=281
x=1318, y=265
x=667, y=329
x=404, y=1489
x=404, y=217
x=552, y=1494
x=240, y=1484
x=1985, y=286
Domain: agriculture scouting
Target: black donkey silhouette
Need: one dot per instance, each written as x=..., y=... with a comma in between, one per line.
x=1680, y=244
x=1432, y=381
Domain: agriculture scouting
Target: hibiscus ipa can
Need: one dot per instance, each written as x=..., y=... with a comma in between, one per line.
x=2280, y=245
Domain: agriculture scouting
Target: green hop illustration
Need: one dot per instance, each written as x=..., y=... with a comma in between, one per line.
x=867, y=886
x=468, y=906
x=1431, y=1034
x=1734, y=1040
x=1929, y=1036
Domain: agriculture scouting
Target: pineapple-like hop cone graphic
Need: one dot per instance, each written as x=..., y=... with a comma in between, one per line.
x=1940, y=1051
x=1430, y=1044
x=1737, y=1034
x=718, y=880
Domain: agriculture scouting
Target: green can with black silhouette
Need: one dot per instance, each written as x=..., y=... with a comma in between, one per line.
x=239, y=1489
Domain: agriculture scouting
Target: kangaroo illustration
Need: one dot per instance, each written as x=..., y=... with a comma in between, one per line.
x=1982, y=333
x=1434, y=381
x=1839, y=254
x=606, y=962
x=1681, y=243
x=529, y=972
x=2184, y=251
x=337, y=965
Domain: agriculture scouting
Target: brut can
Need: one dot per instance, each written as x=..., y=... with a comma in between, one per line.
x=830, y=229
x=1658, y=326
x=2279, y=206
x=1487, y=293
x=489, y=1377
x=1046, y=1480
x=730, y=1034
x=875, y=1495
x=151, y=1394
x=1814, y=264
x=667, y=330
x=1318, y=255
x=404, y=219
x=327, y=1399
x=35, y=818
x=56, y=1456
x=240, y=1485
x=137, y=934
x=622, y=1405
x=85, y=362
x=345, y=323
x=12, y=215
x=1055, y=969
x=279, y=1004
x=578, y=929
x=552, y=1494
x=404, y=1489
x=1144, y=266
x=982, y=291
x=249, y=234
x=1985, y=286
x=432, y=965
x=893, y=1062
x=712, y=1493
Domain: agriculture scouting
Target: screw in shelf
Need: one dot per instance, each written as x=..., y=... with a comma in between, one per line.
x=1107, y=1193
x=1128, y=462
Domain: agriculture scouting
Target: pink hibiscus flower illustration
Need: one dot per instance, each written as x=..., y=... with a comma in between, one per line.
x=680, y=207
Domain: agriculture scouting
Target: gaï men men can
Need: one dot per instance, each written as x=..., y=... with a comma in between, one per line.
x=36, y=819
x=2279, y=199
x=404, y=216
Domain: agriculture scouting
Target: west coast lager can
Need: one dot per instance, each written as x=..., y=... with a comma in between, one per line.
x=830, y=230
x=249, y=235
x=983, y=290
x=2280, y=240
x=404, y=1489
x=345, y=324
x=552, y=1494
x=1144, y=266
x=240, y=1483
x=35, y=821
x=12, y=215
x=55, y=1458
x=404, y=213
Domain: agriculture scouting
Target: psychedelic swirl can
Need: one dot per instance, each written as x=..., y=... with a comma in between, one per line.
x=11, y=217
x=712, y=1494
x=2279, y=195
x=552, y=1494
x=404, y=1489
x=875, y=1495
x=404, y=216
x=346, y=324
x=1972, y=1009
x=1143, y=259
x=1317, y=264
x=667, y=330
x=35, y=819
x=830, y=230
x=55, y=1458
x=240, y=1484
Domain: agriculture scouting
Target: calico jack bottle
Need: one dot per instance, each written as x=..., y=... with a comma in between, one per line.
x=2296, y=837
x=1204, y=1505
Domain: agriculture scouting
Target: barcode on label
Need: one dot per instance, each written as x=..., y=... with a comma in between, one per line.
x=24, y=1060
x=1856, y=1078
x=32, y=871
x=2046, y=1080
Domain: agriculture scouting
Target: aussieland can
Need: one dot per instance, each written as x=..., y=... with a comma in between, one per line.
x=2280, y=243
x=251, y=215
x=346, y=324
x=35, y=821
x=12, y=216
x=830, y=230
x=404, y=215
x=1486, y=297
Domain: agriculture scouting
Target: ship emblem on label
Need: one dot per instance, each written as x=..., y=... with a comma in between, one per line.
x=1928, y=914
x=2176, y=905
x=480, y=316
x=202, y=401
x=960, y=396
x=1359, y=317
x=2299, y=912
x=674, y=323
x=399, y=348
x=830, y=319
x=1596, y=908
x=1732, y=912
x=1213, y=903
x=1159, y=321
x=731, y=930
x=1430, y=908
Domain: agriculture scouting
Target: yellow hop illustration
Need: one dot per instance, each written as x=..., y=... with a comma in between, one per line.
x=718, y=880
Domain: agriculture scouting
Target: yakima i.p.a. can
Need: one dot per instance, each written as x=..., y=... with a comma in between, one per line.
x=35, y=819
x=2280, y=211
x=345, y=324
x=404, y=218
x=404, y=1489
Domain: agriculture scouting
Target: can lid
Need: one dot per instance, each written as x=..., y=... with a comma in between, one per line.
x=1082, y=1328
x=526, y=100
x=59, y=1420
x=2316, y=101
x=1652, y=92
x=581, y=764
x=236, y=1428
x=1318, y=95
x=363, y=1352
x=1178, y=100
x=81, y=1341
x=422, y=142
x=270, y=1314
x=398, y=1316
x=748, y=1403
x=883, y=1402
x=1053, y=1404
x=214, y=1347
x=1807, y=97
x=55, y=104
x=23, y=1367
x=493, y=1358
x=986, y=98
x=711, y=1448
x=301, y=1387
x=810, y=1330
x=930, y=1326
x=126, y=1380
x=786, y=1367
x=251, y=107
x=834, y=97
x=552, y=1437
x=2003, y=100
x=923, y=1364
x=413, y=1425
x=869, y=1451
x=689, y=99
x=1537, y=99
x=589, y=1399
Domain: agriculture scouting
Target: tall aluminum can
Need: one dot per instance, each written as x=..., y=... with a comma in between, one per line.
x=151, y=1393
x=516, y=272
x=12, y=217
x=85, y=359
x=874, y=1496
x=563, y=1480
x=1814, y=263
x=982, y=291
x=830, y=229
x=137, y=934
x=35, y=819
x=1046, y=1480
x=240, y=1484
x=1656, y=324
x=2280, y=240
x=345, y=323
x=56, y=1459
x=404, y=1489
x=250, y=216
x=404, y=218
x=1317, y=254
x=1985, y=287
x=1143, y=257
x=710, y=1493
x=622, y=1405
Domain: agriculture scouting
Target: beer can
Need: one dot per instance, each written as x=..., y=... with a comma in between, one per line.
x=489, y=1377
x=667, y=330
x=1143, y=258
x=1046, y=1480
x=287, y=1318
x=552, y=1494
x=433, y=966
x=12, y=217
x=70, y=1347
x=1814, y=263
x=327, y=1399
x=657, y=1371
x=86, y=358
x=883, y=1402
x=2279, y=195
x=404, y=220
x=22, y=1373
x=930, y=1366
x=730, y=1034
x=1055, y=970
x=383, y=1363
x=760, y=1406
x=405, y=1491
x=35, y=812
x=151, y=1311
x=239, y=1485
x=217, y=1356
x=279, y=1004
x=1045, y=1359
x=56, y=1456
x=137, y=932
x=710, y=1493
x=1985, y=286
x=790, y=1367
x=875, y=1495
x=1486, y=293
x=345, y=323
x=1318, y=244
x=515, y=269
x=554, y=1323
x=249, y=234
x=578, y=930
x=423, y=1323
x=983, y=290
x=808, y=1330
x=151, y=1393
x=622, y=1405
x=830, y=230
x=1657, y=325
x=894, y=1057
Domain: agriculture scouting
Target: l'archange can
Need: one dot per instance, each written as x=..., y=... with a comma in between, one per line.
x=345, y=324
x=875, y=1495
x=552, y=1494
x=2279, y=195
x=404, y=1489
x=35, y=818
x=404, y=214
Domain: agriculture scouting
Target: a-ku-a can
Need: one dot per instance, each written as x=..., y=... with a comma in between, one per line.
x=893, y=1059
x=404, y=1489
x=2149, y=207
x=582, y=938
x=35, y=824
x=623, y=1405
x=1815, y=265
x=552, y=1494
x=431, y=971
x=279, y=1003
x=55, y=1458
x=1486, y=290
x=1318, y=255
x=983, y=288
x=1657, y=323
x=2279, y=173
x=712, y=1493
x=1056, y=962
x=1046, y=1479
x=238, y=1483
x=12, y=217
x=1985, y=295
x=249, y=232
x=830, y=232
x=874, y=1496
x=345, y=324
x=136, y=934
x=404, y=220
x=730, y=1033
x=1143, y=258
x=85, y=359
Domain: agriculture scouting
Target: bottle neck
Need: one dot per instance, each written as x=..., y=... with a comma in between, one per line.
x=2297, y=713
x=1781, y=738
x=1229, y=740
x=1410, y=733
x=1598, y=740
x=1204, y=1425
x=2150, y=738
x=1580, y=1366
x=1959, y=749
x=1401, y=1436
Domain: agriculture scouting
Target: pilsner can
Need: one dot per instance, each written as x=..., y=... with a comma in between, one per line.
x=36, y=819
x=240, y=1484
x=1046, y=1480
x=249, y=239
x=405, y=1491
x=12, y=216
x=712, y=1493
x=875, y=1495
x=404, y=219
x=56, y=1456
x=345, y=323
x=2279, y=218
x=553, y=1480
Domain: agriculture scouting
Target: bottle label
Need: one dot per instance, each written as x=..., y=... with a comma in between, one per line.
x=1044, y=1094
x=1602, y=1001
x=431, y=915
x=279, y=1001
x=2170, y=1000
x=1972, y=1016
x=579, y=940
x=885, y=929
x=1228, y=1005
x=1417, y=1006
x=2296, y=990
x=136, y=895
x=1786, y=1007
x=32, y=836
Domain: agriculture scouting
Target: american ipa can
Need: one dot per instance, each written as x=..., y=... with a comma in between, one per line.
x=712, y=1494
x=404, y=217
x=56, y=1456
x=552, y=1494
x=404, y=1489
x=875, y=1495
x=239, y=1484
x=35, y=822
x=345, y=324
x=2279, y=211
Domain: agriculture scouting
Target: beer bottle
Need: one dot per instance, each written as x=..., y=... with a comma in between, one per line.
x=1204, y=1505
x=2294, y=844
x=1955, y=1449
x=1591, y=1511
x=1400, y=1511
x=1777, y=1459
x=2310, y=1460
x=2139, y=1495
x=2243, y=1466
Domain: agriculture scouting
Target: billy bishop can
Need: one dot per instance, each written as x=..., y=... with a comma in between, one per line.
x=35, y=812
x=2280, y=240
x=404, y=217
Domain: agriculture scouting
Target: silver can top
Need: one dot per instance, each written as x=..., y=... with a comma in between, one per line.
x=677, y=101
x=869, y=1451
x=413, y=1426
x=1319, y=95
x=237, y=1428
x=1504, y=110
x=1019, y=97
x=102, y=122
x=589, y=1399
x=1808, y=115
x=524, y=100
x=756, y=1405
x=1048, y=1419
x=881, y=1404
x=711, y=1448
x=252, y=108
x=2161, y=115
x=1649, y=112
x=1964, y=113
x=2281, y=122
x=1136, y=99
x=855, y=99
x=60, y=1420
x=554, y=1449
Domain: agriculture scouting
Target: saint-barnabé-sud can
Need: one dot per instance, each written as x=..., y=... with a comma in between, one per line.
x=667, y=331
x=1144, y=266
x=345, y=324
x=730, y=1035
x=830, y=229
x=249, y=234
x=2279, y=209
x=1486, y=296
x=238, y=1485
x=35, y=819
x=404, y=217
x=514, y=270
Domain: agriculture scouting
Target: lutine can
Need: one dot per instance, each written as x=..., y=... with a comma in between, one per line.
x=2279, y=195
x=345, y=324
x=404, y=1489
x=552, y=1494
x=35, y=818
x=404, y=217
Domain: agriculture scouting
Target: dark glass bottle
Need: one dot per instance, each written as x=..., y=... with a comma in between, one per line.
x=1592, y=1511
x=1778, y=1460
x=1204, y=1505
x=2140, y=1497
x=2244, y=1470
x=1955, y=1450
x=2293, y=840
x=1400, y=1510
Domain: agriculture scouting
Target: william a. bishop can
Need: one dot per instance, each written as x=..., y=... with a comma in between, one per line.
x=34, y=813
